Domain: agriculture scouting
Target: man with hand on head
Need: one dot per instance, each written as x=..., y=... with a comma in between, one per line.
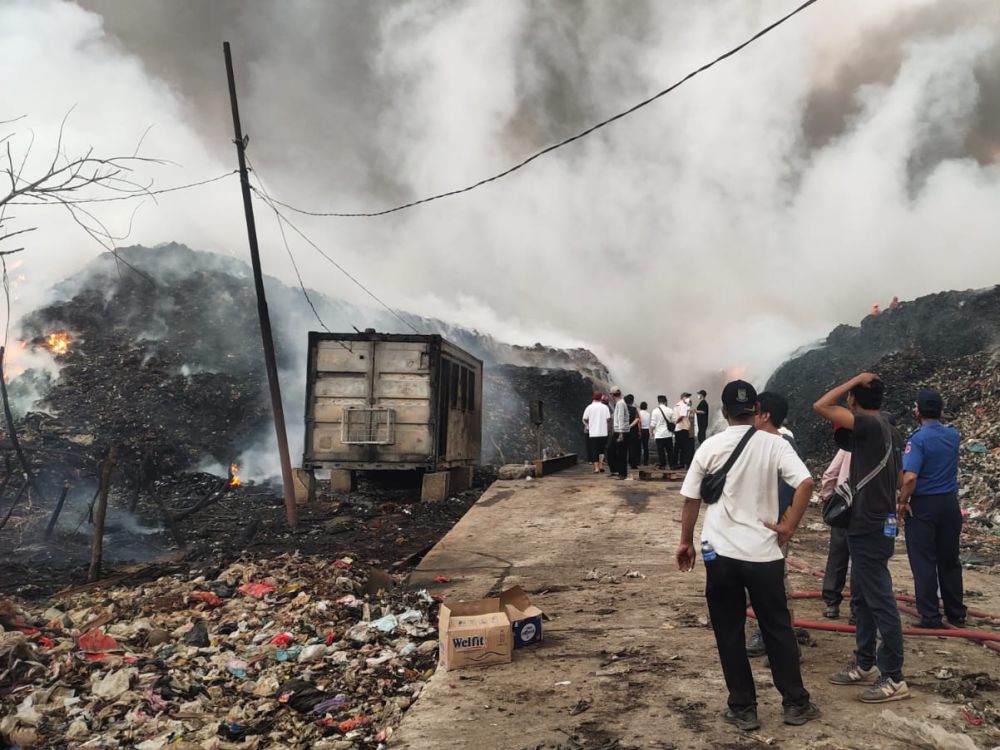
x=741, y=548
x=875, y=477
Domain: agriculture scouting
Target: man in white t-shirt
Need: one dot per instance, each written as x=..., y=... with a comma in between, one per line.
x=595, y=420
x=684, y=434
x=660, y=421
x=743, y=543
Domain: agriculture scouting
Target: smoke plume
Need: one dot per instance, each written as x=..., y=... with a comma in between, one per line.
x=847, y=157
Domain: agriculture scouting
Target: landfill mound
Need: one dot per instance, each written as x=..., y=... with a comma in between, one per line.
x=282, y=652
x=508, y=434
x=162, y=358
x=928, y=333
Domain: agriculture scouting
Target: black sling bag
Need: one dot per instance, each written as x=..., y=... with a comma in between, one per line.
x=712, y=484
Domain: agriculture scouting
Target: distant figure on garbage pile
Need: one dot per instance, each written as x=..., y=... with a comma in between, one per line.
x=662, y=425
x=929, y=497
x=741, y=548
x=875, y=476
x=772, y=410
x=894, y=303
x=644, y=421
x=634, y=438
x=702, y=413
x=618, y=448
x=837, y=558
x=684, y=432
x=595, y=422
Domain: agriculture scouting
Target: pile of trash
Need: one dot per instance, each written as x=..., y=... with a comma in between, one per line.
x=293, y=652
x=508, y=434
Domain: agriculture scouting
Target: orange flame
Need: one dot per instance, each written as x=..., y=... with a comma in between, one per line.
x=58, y=343
x=234, y=475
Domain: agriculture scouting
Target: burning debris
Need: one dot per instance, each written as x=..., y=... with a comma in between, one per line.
x=58, y=343
x=234, y=475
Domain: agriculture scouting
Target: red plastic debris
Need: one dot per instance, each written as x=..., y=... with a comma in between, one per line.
x=258, y=590
x=45, y=642
x=210, y=598
x=331, y=638
x=28, y=631
x=97, y=646
x=442, y=579
x=341, y=564
x=282, y=640
x=973, y=720
x=349, y=724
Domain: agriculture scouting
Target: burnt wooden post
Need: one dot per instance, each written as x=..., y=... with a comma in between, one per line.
x=291, y=511
x=55, y=514
x=100, y=513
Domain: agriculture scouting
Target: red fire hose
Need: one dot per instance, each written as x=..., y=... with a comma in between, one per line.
x=989, y=640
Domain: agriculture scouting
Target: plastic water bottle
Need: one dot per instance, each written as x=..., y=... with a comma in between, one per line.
x=708, y=552
x=891, y=528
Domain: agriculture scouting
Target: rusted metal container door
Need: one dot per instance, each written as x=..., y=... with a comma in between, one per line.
x=341, y=382
x=401, y=385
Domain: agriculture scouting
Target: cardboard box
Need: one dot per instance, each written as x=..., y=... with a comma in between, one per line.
x=525, y=618
x=474, y=634
x=485, y=632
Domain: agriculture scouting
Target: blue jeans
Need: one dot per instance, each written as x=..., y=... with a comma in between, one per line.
x=875, y=604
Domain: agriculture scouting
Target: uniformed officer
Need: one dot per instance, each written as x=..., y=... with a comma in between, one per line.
x=929, y=496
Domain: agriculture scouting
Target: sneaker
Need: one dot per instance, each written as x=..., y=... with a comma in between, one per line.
x=958, y=622
x=799, y=715
x=832, y=612
x=746, y=720
x=755, y=646
x=925, y=625
x=853, y=674
x=884, y=690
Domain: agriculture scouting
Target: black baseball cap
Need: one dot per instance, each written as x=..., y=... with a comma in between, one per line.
x=929, y=400
x=739, y=397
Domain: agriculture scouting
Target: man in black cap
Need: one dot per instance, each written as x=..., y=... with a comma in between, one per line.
x=741, y=547
x=929, y=496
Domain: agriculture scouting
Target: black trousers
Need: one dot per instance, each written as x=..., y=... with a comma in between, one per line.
x=634, y=442
x=644, y=438
x=683, y=448
x=665, y=451
x=932, y=534
x=728, y=582
x=618, y=455
x=837, y=560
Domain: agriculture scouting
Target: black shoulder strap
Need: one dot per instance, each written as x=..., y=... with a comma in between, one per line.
x=739, y=449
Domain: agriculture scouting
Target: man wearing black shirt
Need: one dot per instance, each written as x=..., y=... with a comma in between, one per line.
x=876, y=449
x=702, y=410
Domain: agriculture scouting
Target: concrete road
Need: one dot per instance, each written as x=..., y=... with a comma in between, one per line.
x=627, y=658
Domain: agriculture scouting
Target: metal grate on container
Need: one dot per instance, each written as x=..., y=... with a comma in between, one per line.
x=368, y=426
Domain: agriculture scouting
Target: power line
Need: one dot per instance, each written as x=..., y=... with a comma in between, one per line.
x=566, y=141
x=288, y=249
x=282, y=218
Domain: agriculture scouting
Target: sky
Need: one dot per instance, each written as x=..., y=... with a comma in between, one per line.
x=849, y=156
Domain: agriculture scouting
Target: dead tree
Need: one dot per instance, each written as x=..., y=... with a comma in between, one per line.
x=100, y=513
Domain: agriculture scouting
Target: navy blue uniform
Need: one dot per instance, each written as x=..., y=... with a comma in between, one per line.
x=935, y=525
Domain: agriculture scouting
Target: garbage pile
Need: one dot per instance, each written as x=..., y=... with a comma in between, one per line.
x=936, y=330
x=292, y=652
x=509, y=436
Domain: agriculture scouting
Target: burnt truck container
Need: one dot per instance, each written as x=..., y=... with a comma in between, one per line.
x=385, y=401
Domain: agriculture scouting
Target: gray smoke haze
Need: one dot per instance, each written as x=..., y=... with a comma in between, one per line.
x=848, y=157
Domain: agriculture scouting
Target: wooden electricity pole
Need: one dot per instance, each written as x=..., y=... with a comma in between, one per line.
x=291, y=511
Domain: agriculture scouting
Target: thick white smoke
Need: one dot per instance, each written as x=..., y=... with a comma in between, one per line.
x=848, y=157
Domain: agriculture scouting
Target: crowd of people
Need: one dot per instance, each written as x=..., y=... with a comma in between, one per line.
x=618, y=432
x=756, y=489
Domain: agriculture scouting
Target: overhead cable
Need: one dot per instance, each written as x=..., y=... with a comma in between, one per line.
x=564, y=142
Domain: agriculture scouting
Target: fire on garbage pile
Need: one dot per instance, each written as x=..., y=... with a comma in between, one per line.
x=274, y=652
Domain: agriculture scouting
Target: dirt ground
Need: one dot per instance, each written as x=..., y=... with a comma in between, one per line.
x=628, y=660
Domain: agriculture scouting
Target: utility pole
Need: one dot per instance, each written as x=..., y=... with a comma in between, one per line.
x=291, y=511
